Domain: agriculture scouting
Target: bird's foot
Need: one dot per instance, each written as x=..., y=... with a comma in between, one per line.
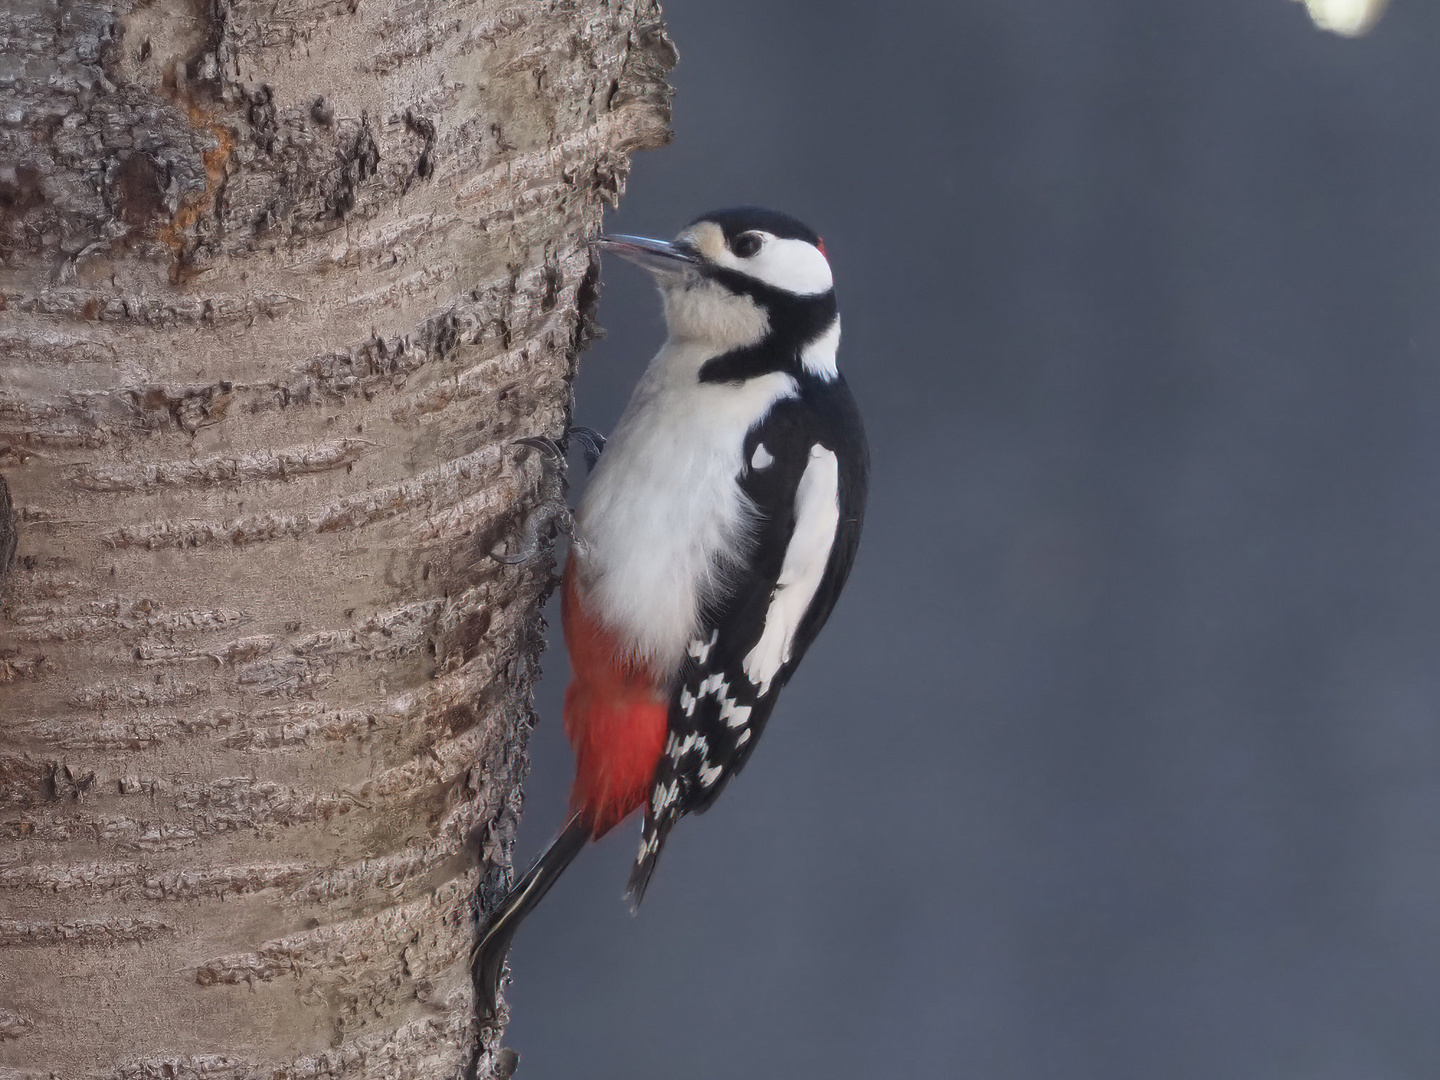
x=538, y=533
x=550, y=517
x=592, y=443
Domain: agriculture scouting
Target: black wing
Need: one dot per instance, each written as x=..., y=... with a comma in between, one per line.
x=718, y=710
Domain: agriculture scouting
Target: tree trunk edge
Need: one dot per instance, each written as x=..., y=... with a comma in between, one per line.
x=173, y=419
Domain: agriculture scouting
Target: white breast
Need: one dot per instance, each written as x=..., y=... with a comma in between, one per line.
x=663, y=514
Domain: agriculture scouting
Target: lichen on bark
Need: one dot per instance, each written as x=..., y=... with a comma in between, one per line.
x=281, y=285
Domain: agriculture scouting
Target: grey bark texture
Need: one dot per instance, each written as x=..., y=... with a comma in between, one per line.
x=281, y=284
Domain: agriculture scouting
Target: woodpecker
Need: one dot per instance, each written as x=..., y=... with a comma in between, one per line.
x=716, y=532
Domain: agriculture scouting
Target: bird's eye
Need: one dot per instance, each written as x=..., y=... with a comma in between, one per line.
x=746, y=244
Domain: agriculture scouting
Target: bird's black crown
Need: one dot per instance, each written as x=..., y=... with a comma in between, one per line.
x=743, y=219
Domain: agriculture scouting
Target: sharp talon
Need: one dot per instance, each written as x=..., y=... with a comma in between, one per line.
x=591, y=442
x=549, y=447
x=589, y=437
x=525, y=554
x=537, y=528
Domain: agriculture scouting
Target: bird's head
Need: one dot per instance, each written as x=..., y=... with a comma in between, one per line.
x=742, y=279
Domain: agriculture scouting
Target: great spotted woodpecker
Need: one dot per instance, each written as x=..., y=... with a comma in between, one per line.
x=714, y=537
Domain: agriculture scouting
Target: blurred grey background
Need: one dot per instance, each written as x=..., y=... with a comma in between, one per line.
x=1121, y=756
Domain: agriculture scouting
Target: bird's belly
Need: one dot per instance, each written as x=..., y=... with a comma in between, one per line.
x=655, y=536
x=663, y=518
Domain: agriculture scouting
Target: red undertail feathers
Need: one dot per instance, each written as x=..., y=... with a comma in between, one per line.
x=615, y=719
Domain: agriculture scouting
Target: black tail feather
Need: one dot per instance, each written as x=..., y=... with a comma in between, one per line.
x=652, y=840
x=487, y=962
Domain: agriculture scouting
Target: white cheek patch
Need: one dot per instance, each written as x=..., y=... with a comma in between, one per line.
x=762, y=458
x=817, y=517
x=792, y=265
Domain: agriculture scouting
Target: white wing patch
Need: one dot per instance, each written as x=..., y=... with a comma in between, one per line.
x=817, y=517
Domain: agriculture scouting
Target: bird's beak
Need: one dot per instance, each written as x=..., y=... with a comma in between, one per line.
x=657, y=256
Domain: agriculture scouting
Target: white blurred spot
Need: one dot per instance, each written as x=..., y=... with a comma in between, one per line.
x=1348, y=17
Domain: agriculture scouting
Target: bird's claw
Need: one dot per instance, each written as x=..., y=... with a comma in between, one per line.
x=546, y=522
x=528, y=551
x=591, y=442
x=538, y=525
x=547, y=446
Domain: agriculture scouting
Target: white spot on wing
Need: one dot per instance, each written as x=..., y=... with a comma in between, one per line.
x=817, y=517
x=700, y=650
x=683, y=747
x=762, y=458
x=709, y=776
x=687, y=703
x=664, y=795
x=734, y=715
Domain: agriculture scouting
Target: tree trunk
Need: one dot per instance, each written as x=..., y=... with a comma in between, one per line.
x=281, y=284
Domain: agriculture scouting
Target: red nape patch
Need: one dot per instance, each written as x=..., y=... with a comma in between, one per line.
x=615, y=719
x=820, y=243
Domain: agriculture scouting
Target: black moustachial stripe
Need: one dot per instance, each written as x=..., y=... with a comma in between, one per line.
x=794, y=322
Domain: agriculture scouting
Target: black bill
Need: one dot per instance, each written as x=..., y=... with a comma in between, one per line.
x=657, y=256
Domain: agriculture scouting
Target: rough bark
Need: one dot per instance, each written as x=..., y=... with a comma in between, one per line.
x=282, y=283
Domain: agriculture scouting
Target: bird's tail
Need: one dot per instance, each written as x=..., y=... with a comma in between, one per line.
x=652, y=839
x=488, y=960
